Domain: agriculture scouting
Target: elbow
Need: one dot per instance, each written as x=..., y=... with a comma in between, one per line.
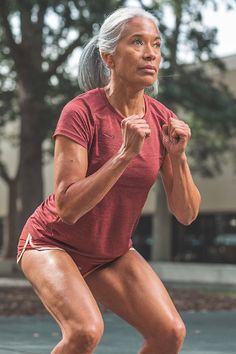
x=65, y=213
x=188, y=214
x=66, y=217
x=188, y=218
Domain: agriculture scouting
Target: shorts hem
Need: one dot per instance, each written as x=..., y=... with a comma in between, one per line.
x=29, y=241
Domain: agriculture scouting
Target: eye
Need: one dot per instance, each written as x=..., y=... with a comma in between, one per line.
x=137, y=41
x=157, y=44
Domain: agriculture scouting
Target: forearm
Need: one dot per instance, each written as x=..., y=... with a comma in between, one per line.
x=184, y=199
x=84, y=194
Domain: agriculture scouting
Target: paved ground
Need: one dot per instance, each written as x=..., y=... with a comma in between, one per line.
x=208, y=333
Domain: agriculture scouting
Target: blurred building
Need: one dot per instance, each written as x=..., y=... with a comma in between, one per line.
x=211, y=238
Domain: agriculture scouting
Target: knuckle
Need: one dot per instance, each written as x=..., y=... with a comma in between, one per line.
x=129, y=124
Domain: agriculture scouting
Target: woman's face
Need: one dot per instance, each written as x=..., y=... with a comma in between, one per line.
x=138, y=55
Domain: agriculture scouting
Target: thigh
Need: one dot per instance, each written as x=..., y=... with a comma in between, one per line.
x=130, y=288
x=60, y=286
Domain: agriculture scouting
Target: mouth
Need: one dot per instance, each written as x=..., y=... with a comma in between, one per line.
x=149, y=68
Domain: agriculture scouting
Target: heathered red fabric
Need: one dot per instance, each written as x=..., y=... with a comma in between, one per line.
x=104, y=233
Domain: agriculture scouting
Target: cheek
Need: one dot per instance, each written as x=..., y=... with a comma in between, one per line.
x=126, y=62
x=159, y=58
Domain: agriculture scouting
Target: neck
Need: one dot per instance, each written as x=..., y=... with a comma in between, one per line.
x=129, y=103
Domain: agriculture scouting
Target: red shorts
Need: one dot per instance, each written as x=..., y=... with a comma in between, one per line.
x=84, y=265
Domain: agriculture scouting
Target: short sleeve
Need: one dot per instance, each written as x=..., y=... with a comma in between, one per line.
x=166, y=114
x=75, y=124
x=171, y=114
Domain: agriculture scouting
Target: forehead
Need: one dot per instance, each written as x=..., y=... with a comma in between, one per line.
x=140, y=25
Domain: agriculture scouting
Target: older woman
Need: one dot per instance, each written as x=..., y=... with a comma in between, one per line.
x=111, y=142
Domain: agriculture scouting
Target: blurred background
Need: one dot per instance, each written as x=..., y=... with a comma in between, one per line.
x=40, y=44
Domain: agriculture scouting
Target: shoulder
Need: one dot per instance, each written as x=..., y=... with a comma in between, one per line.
x=77, y=119
x=88, y=102
x=159, y=110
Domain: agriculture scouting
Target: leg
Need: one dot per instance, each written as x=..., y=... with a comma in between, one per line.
x=60, y=286
x=131, y=289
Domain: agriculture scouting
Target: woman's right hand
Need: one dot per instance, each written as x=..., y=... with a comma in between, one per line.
x=134, y=131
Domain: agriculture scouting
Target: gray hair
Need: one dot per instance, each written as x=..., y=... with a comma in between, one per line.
x=93, y=72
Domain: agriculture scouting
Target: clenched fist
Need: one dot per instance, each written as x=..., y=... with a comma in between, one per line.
x=176, y=135
x=134, y=131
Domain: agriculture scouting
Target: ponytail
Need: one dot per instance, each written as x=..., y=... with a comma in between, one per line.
x=92, y=72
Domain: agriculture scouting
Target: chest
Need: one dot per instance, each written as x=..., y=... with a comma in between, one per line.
x=107, y=140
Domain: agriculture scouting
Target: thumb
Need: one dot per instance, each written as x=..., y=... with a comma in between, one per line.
x=165, y=129
x=165, y=134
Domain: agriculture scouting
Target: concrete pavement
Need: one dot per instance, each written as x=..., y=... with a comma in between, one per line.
x=207, y=333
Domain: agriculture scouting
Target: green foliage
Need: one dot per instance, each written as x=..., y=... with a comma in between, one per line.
x=45, y=34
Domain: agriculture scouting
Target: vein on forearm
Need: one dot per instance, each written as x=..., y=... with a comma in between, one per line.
x=184, y=197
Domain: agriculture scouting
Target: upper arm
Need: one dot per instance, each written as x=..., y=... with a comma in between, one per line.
x=70, y=164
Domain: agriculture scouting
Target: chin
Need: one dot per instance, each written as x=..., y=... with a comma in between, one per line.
x=143, y=84
x=149, y=80
x=148, y=83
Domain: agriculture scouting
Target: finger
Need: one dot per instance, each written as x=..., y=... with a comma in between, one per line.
x=178, y=123
x=141, y=126
x=136, y=125
x=131, y=118
x=129, y=124
x=180, y=131
x=147, y=132
x=135, y=121
x=165, y=129
x=142, y=131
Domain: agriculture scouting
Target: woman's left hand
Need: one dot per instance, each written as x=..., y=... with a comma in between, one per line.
x=176, y=135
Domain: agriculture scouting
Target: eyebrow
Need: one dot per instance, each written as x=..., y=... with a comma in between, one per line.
x=142, y=34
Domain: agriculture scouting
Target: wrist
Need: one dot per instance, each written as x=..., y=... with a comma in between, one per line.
x=125, y=155
x=179, y=159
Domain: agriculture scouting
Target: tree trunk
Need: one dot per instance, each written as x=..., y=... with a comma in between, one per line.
x=10, y=234
x=178, y=11
x=30, y=176
x=28, y=186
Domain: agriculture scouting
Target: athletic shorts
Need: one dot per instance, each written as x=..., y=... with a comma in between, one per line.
x=84, y=265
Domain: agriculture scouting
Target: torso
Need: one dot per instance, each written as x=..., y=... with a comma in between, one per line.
x=104, y=233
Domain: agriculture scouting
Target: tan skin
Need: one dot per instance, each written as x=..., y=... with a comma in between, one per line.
x=128, y=286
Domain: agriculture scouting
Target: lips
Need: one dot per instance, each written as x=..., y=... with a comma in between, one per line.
x=150, y=68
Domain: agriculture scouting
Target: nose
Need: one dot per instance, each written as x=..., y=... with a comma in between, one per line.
x=149, y=53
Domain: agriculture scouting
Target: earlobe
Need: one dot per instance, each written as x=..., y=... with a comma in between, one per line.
x=111, y=64
x=108, y=60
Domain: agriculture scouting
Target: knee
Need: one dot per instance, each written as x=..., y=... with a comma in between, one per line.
x=169, y=340
x=178, y=331
x=175, y=336
x=84, y=337
x=88, y=338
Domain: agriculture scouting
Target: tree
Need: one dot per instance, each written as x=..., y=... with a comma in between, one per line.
x=36, y=40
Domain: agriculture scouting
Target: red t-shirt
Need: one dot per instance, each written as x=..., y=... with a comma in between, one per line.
x=104, y=233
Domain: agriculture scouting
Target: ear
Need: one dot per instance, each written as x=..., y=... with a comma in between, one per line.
x=108, y=59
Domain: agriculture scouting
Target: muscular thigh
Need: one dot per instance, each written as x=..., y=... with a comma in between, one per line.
x=59, y=284
x=131, y=289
